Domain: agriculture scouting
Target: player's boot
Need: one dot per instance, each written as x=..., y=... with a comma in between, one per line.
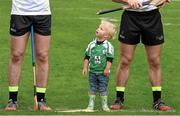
x=42, y=105
x=90, y=107
x=104, y=103
x=105, y=108
x=12, y=105
x=159, y=105
x=117, y=105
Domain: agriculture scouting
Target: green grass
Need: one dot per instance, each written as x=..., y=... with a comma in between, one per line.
x=74, y=24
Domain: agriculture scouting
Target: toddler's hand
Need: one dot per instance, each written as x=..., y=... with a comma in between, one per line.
x=106, y=72
x=84, y=71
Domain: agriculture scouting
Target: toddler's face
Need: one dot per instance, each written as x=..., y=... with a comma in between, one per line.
x=101, y=31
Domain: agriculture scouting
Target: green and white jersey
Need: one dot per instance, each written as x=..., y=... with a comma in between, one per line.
x=30, y=7
x=98, y=54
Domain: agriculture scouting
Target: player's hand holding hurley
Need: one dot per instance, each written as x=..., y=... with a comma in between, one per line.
x=135, y=4
x=160, y=3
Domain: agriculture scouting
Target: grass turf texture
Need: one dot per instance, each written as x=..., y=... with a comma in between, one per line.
x=74, y=24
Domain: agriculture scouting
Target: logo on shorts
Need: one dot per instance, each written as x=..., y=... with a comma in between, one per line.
x=122, y=36
x=159, y=37
x=13, y=30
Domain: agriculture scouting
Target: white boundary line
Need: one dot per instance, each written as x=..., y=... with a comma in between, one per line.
x=123, y=110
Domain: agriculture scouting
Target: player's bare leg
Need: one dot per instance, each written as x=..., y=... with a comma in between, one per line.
x=18, y=45
x=127, y=53
x=153, y=57
x=42, y=44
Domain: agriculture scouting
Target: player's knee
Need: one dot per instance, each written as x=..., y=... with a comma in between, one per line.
x=42, y=57
x=154, y=62
x=17, y=57
x=125, y=62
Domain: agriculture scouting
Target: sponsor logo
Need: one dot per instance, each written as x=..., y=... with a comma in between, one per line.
x=122, y=36
x=13, y=30
x=159, y=37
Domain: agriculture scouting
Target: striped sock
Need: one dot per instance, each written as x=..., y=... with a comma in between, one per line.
x=40, y=93
x=156, y=93
x=120, y=93
x=104, y=101
x=91, y=101
x=13, y=92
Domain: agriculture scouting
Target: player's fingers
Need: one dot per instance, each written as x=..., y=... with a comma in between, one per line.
x=132, y=6
x=83, y=72
x=106, y=74
x=168, y=1
x=138, y=5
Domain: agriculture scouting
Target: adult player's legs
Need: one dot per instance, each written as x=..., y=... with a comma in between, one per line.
x=153, y=57
x=127, y=53
x=42, y=44
x=18, y=45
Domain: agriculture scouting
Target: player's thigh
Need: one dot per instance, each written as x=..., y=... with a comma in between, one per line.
x=153, y=52
x=18, y=44
x=42, y=44
x=127, y=51
x=42, y=28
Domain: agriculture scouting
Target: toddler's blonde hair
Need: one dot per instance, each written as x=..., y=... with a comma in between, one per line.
x=111, y=29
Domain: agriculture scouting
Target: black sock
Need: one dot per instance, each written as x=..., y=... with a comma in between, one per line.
x=40, y=96
x=13, y=96
x=156, y=95
x=120, y=96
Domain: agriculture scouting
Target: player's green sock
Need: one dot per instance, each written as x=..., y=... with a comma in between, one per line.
x=120, y=93
x=13, y=92
x=40, y=93
x=91, y=101
x=104, y=102
x=156, y=93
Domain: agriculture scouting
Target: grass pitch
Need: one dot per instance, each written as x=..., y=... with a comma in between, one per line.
x=74, y=23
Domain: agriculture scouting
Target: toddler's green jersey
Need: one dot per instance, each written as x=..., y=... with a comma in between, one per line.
x=98, y=54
